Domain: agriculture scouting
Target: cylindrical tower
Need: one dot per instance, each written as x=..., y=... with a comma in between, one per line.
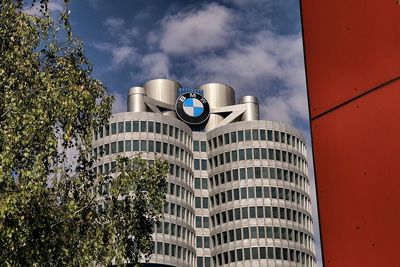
x=136, y=97
x=163, y=90
x=252, y=110
x=217, y=95
x=260, y=209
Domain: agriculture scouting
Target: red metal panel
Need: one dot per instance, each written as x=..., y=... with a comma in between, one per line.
x=350, y=47
x=357, y=163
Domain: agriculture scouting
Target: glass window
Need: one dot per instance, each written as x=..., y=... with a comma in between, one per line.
x=205, y=202
x=261, y=232
x=245, y=213
x=254, y=253
x=151, y=127
x=204, y=164
x=107, y=130
x=249, y=153
x=235, y=174
x=206, y=223
x=198, y=202
x=241, y=154
x=151, y=146
x=199, y=241
x=276, y=136
x=226, y=137
x=158, y=127
x=237, y=214
x=196, y=145
x=234, y=155
x=197, y=164
x=143, y=126
x=204, y=183
x=252, y=212
x=120, y=146
x=248, y=135
x=251, y=192
x=238, y=234
x=253, y=232
x=246, y=233
x=267, y=212
x=247, y=253
x=199, y=261
x=233, y=137
x=113, y=147
x=255, y=135
x=262, y=135
x=197, y=183
x=128, y=126
x=250, y=173
x=263, y=253
x=240, y=136
x=203, y=145
x=135, y=145
x=269, y=135
x=128, y=145
x=256, y=153
x=120, y=127
x=206, y=242
x=158, y=147
x=135, y=126
x=270, y=253
x=236, y=194
x=269, y=232
x=113, y=128
x=239, y=253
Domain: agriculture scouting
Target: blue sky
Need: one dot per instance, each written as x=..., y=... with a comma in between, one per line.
x=255, y=46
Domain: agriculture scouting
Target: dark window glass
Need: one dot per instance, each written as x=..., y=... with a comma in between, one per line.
x=206, y=242
x=232, y=254
x=135, y=126
x=233, y=137
x=203, y=146
x=239, y=254
x=205, y=202
x=242, y=172
x=199, y=261
x=248, y=135
x=275, y=212
x=228, y=157
x=199, y=241
x=235, y=174
x=256, y=153
x=251, y=192
x=260, y=212
x=253, y=232
x=243, y=192
x=204, y=183
x=276, y=136
x=226, y=137
x=128, y=126
x=204, y=164
x=267, y=212
x=246, y=233
x=261, y=232
x=266, y=192
x=120, y=127
x=198, y=202
x=197, y=183
x=107, y=149
x=120, y=146
x=263, y=153
x=196, y=145
x=107, y=130
x=277, y=155
x=113, y=147
x=241, y=154
x=269, y=232
x=278, y=253
x=113, y=128
x=247, y=253
x=151, y=146
x=263, y=253
x=245, y=214
x=143, y=126
x=255, y=134
x=197, y=164
x=237, y=214
x=269, y=135
x=240, y=136
x=257, y=172
x=135, y=145
x=171, y=131
x=128, y=145
x=270, y=253
x=262, y=135
x=238, y=234
x=271, y=154
x=206, y=222
x=236, y=194
x=249, y=153
x=250, y=173
x=158, y=147
x=252, y=212
x=234, y=155
x=254, y=253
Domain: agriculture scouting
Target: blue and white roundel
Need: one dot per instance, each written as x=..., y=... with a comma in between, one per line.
x=193, y=107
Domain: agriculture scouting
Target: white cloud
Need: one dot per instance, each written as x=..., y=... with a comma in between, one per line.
x=113, y=23
x=119, y=104
x=196, y=31
x=155, y=65
x=120, y=55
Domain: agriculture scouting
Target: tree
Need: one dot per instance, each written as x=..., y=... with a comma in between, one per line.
x=49, y=200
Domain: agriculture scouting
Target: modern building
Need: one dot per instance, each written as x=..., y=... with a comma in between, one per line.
x=238, y=191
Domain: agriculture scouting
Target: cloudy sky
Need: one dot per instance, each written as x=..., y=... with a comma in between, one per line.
x=255, y=46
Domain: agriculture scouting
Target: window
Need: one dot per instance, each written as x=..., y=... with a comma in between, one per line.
x=249, y=153
x=196, y=145
x=113, y=128
x=240, y=136
x=204, y=164
x=269, y=135
x=233, y=137
x=206, y=222
x=234, y=155
x=241, y=154
x=197, y=183
x=143, y=126
x=113, y=147
x=203, y=146
x=198, y=202
x=128, y=126
x=204, y=183
x=120, y=127
x=120, y=146
x=248, y=135
x=197, y=164
x=255, y=134
x=226, y=137
x=128, y=145
x=205, y=202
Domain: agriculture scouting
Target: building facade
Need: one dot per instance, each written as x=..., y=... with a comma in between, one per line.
x=238, y=190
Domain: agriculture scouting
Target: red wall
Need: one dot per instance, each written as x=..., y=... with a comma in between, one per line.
x=352, y=54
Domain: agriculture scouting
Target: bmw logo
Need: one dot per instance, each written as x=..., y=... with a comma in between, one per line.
x=192, y=108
